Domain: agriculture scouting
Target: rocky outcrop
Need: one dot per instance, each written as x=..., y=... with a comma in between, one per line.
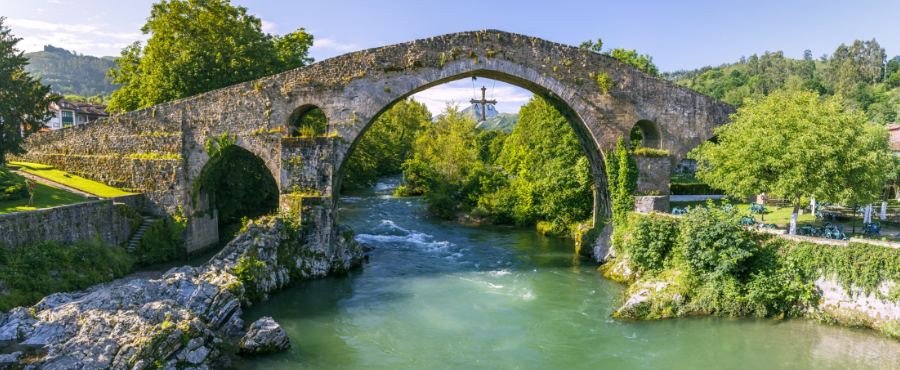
x=265, y=335
x=178, y=320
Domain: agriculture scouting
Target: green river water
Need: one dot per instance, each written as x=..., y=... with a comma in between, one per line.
x=443, y=295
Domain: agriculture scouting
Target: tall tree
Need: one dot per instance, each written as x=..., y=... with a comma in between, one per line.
x=24, y=101
x=796, y=145
x=387, y=144
x=197, y=46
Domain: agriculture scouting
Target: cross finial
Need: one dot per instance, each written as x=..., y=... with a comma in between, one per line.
x=483, y=102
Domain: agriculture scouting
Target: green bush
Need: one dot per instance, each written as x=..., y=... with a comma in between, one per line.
x=249, y=272
x=35, y=271
x=652, y=238
x=418, y=178
x=712, y=240
x=12, y=186
x=161, y=242
x=693, y=189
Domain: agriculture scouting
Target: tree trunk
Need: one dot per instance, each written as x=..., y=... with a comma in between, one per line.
x=794, y=216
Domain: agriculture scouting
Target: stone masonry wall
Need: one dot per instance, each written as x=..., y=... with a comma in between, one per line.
x=66, y=224
x=653, y=174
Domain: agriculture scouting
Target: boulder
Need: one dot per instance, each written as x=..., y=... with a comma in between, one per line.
x=264, y=335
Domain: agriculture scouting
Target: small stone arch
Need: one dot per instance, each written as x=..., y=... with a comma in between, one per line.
x=316, y=121
x=650, y=137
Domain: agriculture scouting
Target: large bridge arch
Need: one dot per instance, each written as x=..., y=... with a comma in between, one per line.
x=571, y=107
x=352, y=90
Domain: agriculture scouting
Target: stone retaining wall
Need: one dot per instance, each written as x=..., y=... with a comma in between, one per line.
x=66, y=224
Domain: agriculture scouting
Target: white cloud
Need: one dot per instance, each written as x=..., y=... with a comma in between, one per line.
x=269, y=27
x=121, y=36
x=329, y=43
x=509, y=98
x=46, y=26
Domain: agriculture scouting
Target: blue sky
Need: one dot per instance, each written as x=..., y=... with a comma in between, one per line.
x=679, y=35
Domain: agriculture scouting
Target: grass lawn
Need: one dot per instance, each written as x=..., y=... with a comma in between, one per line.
x=780, y=217
x=44, y=197
x=76, y=182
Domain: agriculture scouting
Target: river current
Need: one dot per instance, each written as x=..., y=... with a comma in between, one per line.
x=444, y=295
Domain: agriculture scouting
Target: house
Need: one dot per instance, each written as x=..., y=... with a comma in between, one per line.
x=68, y=113
x=894, y=131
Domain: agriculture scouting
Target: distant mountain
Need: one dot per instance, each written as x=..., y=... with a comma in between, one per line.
x=71, y=73
x=495, y=120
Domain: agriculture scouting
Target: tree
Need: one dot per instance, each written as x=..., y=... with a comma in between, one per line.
x=387, y=144
x=197, y=46
x=590, y=45
x=24, y=101
x=794, y=145
x=643, y=62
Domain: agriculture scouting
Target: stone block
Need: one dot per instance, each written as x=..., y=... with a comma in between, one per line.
x=647, y=204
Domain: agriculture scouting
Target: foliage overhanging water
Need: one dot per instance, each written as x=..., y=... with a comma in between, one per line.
x=444, y=295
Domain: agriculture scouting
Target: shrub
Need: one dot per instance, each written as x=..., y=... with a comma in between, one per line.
x=249, y=272
x=35, y=271
x=713, y=240
x=12, y=186
x=161, y=242
x=652, y=238
x=651, y=152
x=693, y=189
x=418, y=177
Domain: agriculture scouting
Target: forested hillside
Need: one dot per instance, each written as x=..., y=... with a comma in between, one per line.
x=861, y=73
x=70, y=73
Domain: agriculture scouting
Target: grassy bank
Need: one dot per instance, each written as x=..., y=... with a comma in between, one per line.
x=14, y=194
x=67, y=179
x=707, y=264
x=33, y=272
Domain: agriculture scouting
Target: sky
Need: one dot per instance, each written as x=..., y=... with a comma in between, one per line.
x=677, y=34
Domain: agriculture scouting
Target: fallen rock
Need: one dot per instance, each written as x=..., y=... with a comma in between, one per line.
x=11, y=358
x=264, y=336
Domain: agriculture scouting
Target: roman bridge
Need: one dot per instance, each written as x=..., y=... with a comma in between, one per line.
x=352, y=90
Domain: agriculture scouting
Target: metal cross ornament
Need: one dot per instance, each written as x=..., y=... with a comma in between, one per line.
x=483, y=101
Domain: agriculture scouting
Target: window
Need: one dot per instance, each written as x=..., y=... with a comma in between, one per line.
x=68, y=118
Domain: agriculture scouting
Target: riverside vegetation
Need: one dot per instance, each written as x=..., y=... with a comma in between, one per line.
x=705, y=263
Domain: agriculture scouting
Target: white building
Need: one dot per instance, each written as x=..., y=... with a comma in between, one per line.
x=69, y=113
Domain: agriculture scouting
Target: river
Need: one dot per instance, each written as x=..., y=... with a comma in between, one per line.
x=444, y=295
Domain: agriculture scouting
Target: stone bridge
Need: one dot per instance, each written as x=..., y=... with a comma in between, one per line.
x=353, y=90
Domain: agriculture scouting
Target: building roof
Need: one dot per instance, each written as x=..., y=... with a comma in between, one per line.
x=82, y=108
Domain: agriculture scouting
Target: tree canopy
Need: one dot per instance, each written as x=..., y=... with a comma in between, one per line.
x=643, y=62
x=24, y=101
x=197, y=46
x=794, y=145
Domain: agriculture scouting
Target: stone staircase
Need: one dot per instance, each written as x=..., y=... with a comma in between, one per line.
x=133, y=243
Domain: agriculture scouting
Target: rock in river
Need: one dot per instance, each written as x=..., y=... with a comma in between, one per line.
x=265, y=335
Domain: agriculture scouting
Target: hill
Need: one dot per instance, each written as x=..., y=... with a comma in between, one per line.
x=860, y=73
x=495, y=120
x=71, y=73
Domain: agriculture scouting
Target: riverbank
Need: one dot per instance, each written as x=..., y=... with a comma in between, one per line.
x=680, y=267
x=182, y=319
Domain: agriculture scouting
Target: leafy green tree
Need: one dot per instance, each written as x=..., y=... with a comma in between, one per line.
x=387, y=144
x=590, y=45
x=197, y=46
x=643, y=62
x=24, y=101
x=794, y=145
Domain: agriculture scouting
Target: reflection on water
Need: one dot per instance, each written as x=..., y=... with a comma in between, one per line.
x=448, y=296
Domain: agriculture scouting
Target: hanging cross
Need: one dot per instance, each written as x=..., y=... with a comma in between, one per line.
x=483, y=101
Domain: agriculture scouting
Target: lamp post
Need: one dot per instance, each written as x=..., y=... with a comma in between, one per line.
x=855, y=210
